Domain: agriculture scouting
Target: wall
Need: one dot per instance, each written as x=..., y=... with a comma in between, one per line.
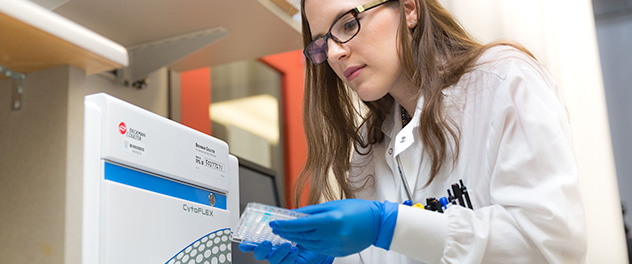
x=40, y=156
x=32, y=178
x=614, y=33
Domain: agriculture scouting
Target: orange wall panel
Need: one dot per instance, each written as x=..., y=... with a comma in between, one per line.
x=291, y=66
x=195, y=89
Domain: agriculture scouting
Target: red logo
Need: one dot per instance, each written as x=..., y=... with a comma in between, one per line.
x=122, y=128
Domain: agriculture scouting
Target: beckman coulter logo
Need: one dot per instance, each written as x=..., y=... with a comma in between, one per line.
x=122, y=128
x=130, y=132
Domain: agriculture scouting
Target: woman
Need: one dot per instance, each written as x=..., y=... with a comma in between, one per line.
x=440, y=109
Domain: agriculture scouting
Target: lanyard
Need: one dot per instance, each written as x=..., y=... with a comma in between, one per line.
x=404, y=180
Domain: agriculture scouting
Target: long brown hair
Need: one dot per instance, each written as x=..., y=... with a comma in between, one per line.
x=434, y=55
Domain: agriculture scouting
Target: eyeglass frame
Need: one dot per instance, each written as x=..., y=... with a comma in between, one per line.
x=355, y=12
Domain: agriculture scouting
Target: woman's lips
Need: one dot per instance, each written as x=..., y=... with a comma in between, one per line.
x=353, y=72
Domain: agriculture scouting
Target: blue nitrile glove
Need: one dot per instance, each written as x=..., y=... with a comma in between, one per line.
x=343, y=227
x=284, y=254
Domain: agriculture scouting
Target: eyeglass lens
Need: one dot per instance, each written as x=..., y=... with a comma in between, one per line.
x=317, y=51
x=343, y=30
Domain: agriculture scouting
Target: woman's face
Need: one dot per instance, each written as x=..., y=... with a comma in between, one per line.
x=368, y=63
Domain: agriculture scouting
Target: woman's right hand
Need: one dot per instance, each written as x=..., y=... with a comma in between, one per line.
x=284, y=254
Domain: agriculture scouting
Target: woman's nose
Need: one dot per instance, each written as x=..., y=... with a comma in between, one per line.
x=336, y=51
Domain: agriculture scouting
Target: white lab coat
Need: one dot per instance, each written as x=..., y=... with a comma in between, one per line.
x=516, y=159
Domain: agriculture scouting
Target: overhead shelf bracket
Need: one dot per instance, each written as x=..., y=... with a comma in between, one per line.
x=148, y=57
x=17, y=88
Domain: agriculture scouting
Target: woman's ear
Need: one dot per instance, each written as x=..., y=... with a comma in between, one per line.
x=410, y=11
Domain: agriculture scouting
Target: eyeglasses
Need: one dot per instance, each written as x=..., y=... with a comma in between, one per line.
x=341, y=31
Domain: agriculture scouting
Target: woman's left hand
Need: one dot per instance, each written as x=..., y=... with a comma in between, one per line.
x=343, y=227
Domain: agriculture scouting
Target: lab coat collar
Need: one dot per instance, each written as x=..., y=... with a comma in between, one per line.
x=398, y=139
x=393, y=123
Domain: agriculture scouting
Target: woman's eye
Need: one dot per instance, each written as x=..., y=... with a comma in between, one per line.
x=350, y=25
